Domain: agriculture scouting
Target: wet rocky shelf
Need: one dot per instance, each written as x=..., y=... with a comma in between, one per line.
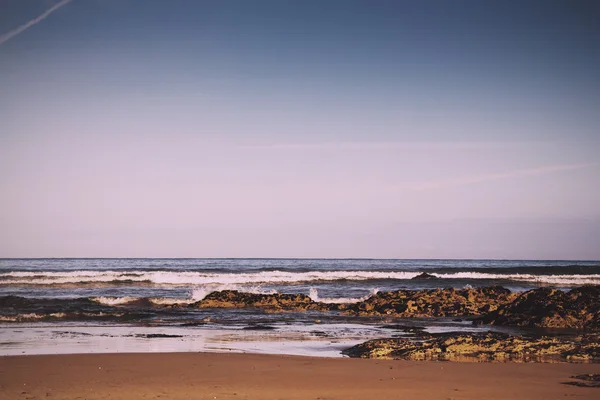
x=483, y=347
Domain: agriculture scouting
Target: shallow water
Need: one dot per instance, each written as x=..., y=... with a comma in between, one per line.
x=307, y=339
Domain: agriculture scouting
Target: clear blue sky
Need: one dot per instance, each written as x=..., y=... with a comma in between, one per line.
x=393, y=129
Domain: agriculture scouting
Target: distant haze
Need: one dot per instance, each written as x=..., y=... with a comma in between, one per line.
x=381, y=129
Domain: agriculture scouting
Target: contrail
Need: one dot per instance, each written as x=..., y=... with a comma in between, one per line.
x=7, y=36
x=495, y=177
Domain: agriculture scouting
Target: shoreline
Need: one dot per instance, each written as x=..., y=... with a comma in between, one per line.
x=482, y=321
x=255, y=376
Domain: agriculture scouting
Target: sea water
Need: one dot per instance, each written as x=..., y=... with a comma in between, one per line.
x=121, y=305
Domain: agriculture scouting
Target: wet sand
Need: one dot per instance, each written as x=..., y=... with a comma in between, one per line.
x=251, y=376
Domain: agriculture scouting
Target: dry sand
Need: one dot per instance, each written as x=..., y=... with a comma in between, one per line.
x=248, y=376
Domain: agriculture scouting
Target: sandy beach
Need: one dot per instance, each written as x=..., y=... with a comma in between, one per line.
x=250, y=376
x=279, y=200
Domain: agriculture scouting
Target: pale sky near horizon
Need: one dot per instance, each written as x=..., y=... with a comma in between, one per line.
x=380, y=129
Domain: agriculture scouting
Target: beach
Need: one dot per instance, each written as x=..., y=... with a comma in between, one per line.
x=299, y=200
x=252, y=376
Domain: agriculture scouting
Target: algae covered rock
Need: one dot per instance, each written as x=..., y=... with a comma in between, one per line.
x=482, y=347
x=550, y=308
x=433, y=303
x=545, y=307
x=276, y=302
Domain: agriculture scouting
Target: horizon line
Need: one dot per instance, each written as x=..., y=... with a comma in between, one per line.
x=296, y=258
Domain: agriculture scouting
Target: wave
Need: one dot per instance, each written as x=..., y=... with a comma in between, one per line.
x=314, y=296
x=205, y=280
x=572, y=269
x=31, y=317
x=569, y=280
x=188, y=278
x=71, y=316
x=126, y=308
x=196, y=295
x=201, y=292
x=140, y=301
x=114, y=301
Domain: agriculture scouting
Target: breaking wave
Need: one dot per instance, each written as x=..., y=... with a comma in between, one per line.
x=196, y=295
x=209, y=281
x=314, y=296
x=569, y=280
x=72, y=316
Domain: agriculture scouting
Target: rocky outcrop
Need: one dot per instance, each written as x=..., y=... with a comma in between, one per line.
x=433, y=303
x=273, y=302
x=403, y=303
x=550, y=308
x=578, y=308
x=483, y=347
x=544, y=307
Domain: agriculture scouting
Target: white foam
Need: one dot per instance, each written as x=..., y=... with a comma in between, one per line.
x=30, y=317
x=192, y=278
x=314, y=295
x=205, y=279
x=113, y=301
x=549, y=279
x=169, y=301
x=199, y=293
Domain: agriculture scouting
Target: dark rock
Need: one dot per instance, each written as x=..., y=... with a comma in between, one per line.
x=259, y=328
x=273, y=302
x=545, y=307
x=433, y=302
x=193, y=323
x=404, y=328
x=157, y=335
x=424, y=276
x=583, y=384
x=586, y=380
x=550, y=308
x=482, y=347
x=588, y=377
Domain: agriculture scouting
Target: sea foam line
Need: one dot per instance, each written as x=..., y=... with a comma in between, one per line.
x=196, y=294
x=190, y=278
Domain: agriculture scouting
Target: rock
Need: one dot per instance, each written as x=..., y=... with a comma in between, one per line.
x=588, y=377
x=273, y=302
x=404, y=328
x=156, y=335
x=550, y=308
x=482, y=347
x=432, y=303
x=544, y=307
x=585, y=380
x=424, y=276
x=259, y=328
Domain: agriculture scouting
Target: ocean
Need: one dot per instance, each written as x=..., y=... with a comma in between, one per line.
x=139, y=305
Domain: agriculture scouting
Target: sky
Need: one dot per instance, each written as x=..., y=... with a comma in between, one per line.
x=350, y=129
